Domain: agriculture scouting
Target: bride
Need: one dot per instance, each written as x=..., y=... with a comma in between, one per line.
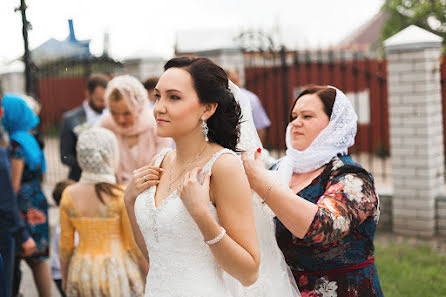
x=199, y=232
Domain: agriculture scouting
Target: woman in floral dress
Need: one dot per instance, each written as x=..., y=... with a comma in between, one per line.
x=27, y=167
x=326, y=224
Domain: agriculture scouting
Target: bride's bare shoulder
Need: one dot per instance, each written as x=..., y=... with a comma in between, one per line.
x=227, y=169
x=226, y=162
x=229, y=185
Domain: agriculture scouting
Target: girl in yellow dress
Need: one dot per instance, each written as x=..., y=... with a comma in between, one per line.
x=105, y=262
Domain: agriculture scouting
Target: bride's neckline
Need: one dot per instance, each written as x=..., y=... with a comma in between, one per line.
x=157, y=207
x=171, y=194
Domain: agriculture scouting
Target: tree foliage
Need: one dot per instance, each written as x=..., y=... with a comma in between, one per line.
x=426, y=14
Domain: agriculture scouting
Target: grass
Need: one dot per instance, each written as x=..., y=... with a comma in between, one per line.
x=408, y=271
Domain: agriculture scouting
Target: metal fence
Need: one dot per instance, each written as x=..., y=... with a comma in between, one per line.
x=278, y=77
x=55, y=171
x=60, y=85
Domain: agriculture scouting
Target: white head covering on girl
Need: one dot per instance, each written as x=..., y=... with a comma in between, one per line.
x=98, y=156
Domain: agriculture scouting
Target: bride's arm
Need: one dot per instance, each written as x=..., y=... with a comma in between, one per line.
x=136, y=186
x=238, y=251
x=135, y=229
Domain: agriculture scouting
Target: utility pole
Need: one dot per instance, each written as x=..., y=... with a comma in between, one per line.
x=26, y=57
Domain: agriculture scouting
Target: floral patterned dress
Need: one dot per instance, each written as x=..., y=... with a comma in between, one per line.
x=32, y=205
x=335, y=258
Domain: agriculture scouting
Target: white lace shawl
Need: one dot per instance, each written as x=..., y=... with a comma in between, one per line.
x=335, y=139
x=97, y=155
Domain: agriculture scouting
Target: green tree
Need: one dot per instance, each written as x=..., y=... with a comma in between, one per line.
x=427, y=14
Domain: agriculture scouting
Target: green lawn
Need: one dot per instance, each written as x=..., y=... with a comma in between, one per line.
x=406, y=271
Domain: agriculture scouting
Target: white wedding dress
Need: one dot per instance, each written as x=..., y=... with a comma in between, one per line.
x=182, y=264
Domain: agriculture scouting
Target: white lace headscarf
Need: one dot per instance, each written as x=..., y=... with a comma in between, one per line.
x=131, y=89
x=334, y=139
x=97, y=155
x=135, y=97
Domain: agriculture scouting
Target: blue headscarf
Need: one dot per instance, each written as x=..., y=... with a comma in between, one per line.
x=18, y=119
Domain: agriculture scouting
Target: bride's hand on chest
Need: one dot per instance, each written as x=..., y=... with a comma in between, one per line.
x=142, y=179
x=195, y=196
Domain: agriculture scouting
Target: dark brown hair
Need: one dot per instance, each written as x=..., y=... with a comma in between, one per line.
x=211, y=84
x=59, y=188
x=96, y=80
x=326, y=94
x=108, y=189
x=150, y=83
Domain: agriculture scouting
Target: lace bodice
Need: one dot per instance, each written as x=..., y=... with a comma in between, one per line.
x=181, y=263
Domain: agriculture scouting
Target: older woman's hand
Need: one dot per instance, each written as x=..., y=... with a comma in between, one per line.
x=255, y=170
x=142, y=179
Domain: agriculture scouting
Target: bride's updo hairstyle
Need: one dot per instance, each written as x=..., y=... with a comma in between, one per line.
x=211, y=85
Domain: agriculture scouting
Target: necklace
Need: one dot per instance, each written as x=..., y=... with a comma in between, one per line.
x=182, y=171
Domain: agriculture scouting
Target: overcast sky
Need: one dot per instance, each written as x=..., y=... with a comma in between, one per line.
x=138, y=26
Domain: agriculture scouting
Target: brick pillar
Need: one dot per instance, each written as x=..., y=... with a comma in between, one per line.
x=416, y=129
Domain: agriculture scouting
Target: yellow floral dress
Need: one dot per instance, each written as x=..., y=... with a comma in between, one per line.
x=104, y=264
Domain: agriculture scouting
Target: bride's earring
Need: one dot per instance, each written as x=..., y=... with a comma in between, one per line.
x=204, y=128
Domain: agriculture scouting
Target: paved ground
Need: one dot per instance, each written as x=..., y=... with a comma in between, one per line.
x=28, y=289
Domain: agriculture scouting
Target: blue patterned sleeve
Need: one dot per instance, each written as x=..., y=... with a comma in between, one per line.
x=16, y=151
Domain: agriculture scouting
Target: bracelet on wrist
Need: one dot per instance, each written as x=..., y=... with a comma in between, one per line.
x=267, y=192
x=216, y=239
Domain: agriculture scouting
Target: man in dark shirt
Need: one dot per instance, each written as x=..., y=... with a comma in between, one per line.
x=12, y=228
x=89, y=114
